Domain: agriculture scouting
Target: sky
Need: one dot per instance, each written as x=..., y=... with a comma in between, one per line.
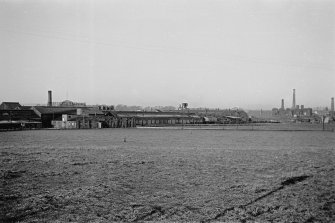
x=208, y=53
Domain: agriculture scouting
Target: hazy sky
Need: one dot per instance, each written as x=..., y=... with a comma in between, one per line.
x=209, y=53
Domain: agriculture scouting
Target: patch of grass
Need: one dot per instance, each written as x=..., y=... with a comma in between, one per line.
x=167, y=176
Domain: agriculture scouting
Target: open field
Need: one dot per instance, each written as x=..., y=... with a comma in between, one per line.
x=255, y=127
x=167, y=175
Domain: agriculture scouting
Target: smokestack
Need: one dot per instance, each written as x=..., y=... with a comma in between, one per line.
x=332, y=106
x=282, y=104
x=293, y=103
x=49, y=98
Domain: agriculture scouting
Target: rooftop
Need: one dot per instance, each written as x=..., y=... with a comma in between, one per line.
x=53, y=110
x=10, y=105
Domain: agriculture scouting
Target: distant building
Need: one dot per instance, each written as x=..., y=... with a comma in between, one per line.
x=220, y=116
x=106, y=107
x=68, y=103
x=294, y=112
x=299, y=111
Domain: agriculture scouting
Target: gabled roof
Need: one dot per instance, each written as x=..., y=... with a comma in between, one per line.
x=18, y=114
x=10, y=105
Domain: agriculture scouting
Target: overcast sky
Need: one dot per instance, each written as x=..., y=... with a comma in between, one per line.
x=209, y=53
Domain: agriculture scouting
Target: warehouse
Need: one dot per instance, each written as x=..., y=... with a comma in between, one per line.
x=95, y=118
x=144, y=118
x=47, y=114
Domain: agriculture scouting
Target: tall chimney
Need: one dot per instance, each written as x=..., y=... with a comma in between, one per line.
x=293, y=103
x=282, y=104
x=49, y=98
x=332, y=106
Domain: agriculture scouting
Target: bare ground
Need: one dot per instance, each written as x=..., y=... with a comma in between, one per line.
x=167, y=176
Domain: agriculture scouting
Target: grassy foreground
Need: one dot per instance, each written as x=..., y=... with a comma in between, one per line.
x=126, y=175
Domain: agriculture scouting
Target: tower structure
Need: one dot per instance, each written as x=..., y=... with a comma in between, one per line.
x=332, y=106
x=293, y=102
x=282, y=104
x=49, y=98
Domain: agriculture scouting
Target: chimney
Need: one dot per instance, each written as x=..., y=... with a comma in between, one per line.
x=293, y=103
x=332, y=106
x=282, y=104
x=49, y=98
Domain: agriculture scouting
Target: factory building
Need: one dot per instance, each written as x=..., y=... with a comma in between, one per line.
x=296, y=112
x=15, y=116
x=164, y=118
x=94, y=118
x=47, y=114
x=72, y=115
x=221, y=116
x=69, y=115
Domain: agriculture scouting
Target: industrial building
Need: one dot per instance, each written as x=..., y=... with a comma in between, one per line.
x=103, y=116
x=297, y=113
x=222, y=116
x=15, y=116
x=72, y=115
x=69, y=115
x=92, y=118
x=47, y=114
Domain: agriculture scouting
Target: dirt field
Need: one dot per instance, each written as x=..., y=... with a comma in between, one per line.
x=126, y=175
